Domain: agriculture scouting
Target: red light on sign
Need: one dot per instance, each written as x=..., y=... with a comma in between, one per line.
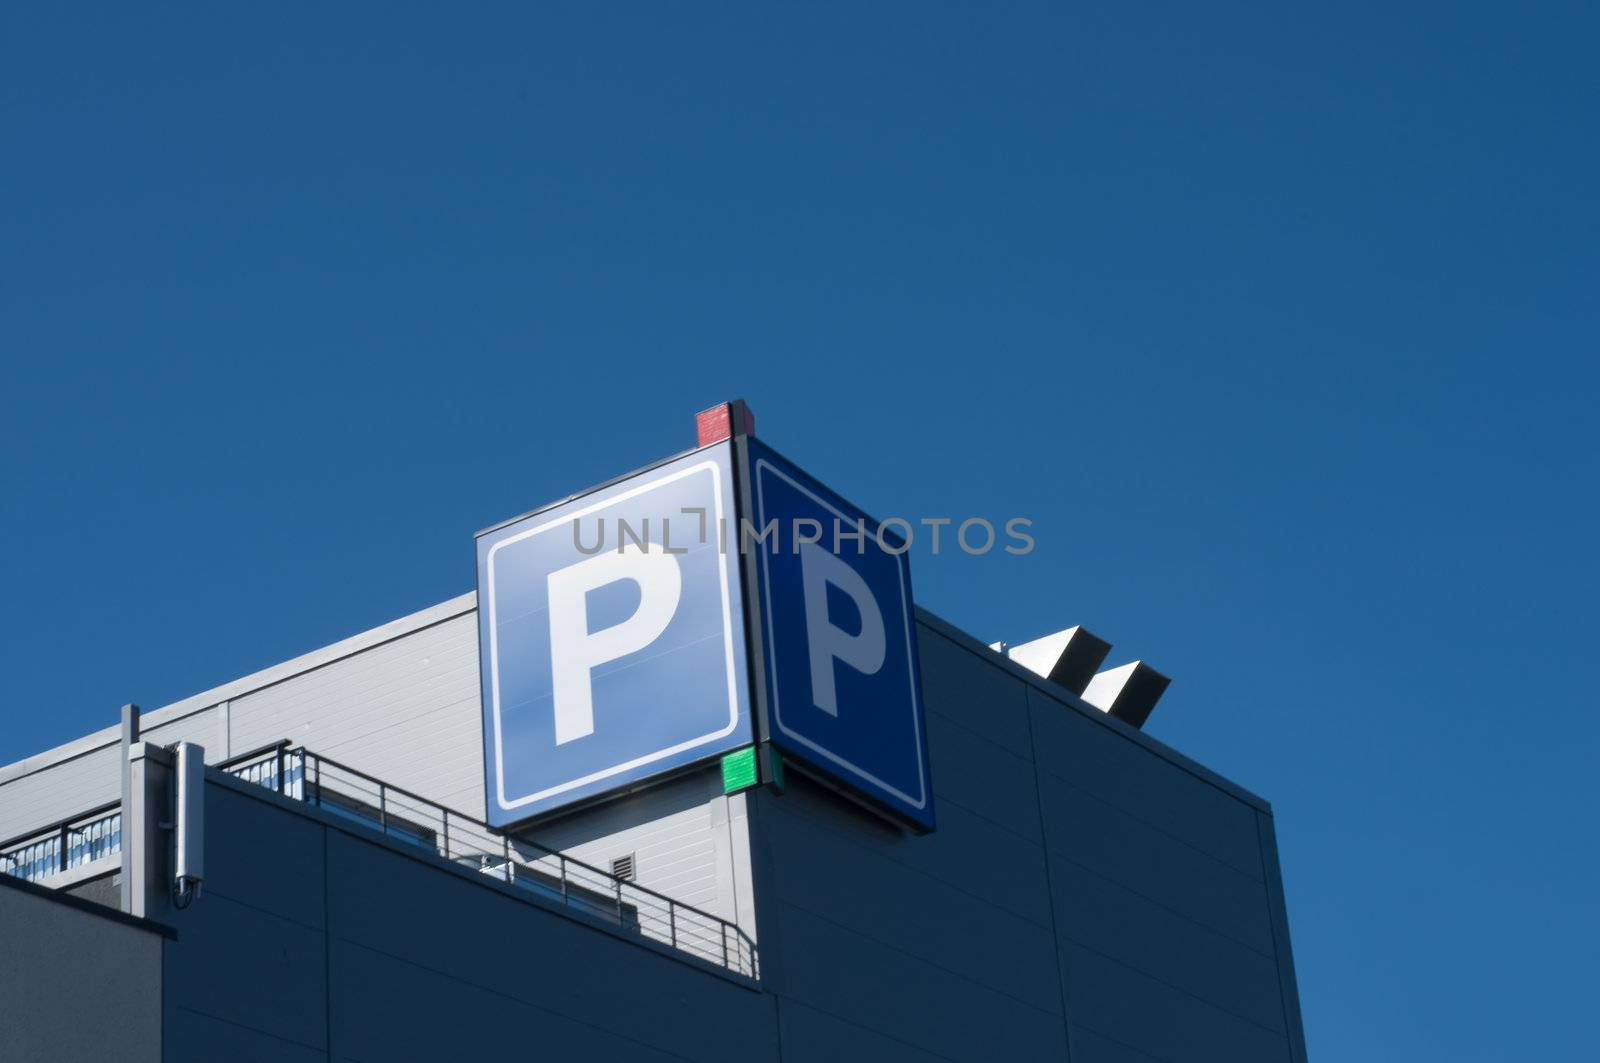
x=722, y=421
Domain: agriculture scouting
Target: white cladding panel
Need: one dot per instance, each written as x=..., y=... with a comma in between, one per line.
x=61, y=790
x=405, y=711
x=203, y=728
x=678, y=835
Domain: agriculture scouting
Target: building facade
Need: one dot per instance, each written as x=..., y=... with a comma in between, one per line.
x=1085, y=893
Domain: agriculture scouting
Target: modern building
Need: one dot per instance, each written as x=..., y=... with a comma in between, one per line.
x=672, y=797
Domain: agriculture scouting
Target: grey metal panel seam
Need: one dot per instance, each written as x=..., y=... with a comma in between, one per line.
x=1135, y=891
x=1165, y=833
x=1196, y=997
x=845, y=839
x=890, y=946
x=1062, y=973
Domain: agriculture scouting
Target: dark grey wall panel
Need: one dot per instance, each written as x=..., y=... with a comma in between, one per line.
x=982, y=777
x=251, y=969
x=426, y=1014
x=1091, y=1047
x=966, y=851
x=1106, y=918
x=1280, y=933
x=1134, y=1009
x=258, y=856
x=75, y=984
x=910, y=999
x=194, y=1037
x=809, y=1034
x=971, y=691
x=1107, y=841
x=311, y=934
x=250, y=950
x=932, y=919
x=1132, y=885
x=506, y=947
x=1095, y=757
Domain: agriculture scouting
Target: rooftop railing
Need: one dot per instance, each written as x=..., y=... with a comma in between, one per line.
x=302, y=775
x=61, y=846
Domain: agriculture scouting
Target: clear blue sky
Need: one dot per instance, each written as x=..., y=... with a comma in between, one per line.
x=1280, y=325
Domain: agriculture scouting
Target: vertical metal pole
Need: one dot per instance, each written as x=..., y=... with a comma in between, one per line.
x=130, y=735
x=278, y=767
x=724, y=944
x=506, y=839
x=316, y=762
x=383, y=808
x=563, y=862
x=672, y=922
x=446, y=818
x=61, y=843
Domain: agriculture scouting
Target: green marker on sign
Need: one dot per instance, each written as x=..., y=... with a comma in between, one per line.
x=739, y=770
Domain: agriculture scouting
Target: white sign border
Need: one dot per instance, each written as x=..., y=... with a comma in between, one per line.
x=772, y=659
x=715, y=469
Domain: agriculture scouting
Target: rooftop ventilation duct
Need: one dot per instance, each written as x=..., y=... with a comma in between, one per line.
x=1069, y=659
x=1129, y=693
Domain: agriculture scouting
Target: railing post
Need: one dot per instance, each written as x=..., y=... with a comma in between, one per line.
x=506, y=839
x=724, y=944
x=317, y=761
x=618, y=881
x=672, y=922
x=61, y=858
x=561, y=857
x=383, y=808
x=446, y=819
x=278, y=767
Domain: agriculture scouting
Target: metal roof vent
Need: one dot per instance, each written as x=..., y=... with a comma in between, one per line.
x=622, y=867
x=1069, y=659
x=1128, y=692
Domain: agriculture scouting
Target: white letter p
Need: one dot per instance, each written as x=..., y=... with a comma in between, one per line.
x=575, y=652
x=828, y=642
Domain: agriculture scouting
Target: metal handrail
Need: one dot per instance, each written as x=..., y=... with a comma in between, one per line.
x=460, y=839
x=39, y=832
x=251, y=754
x=47, y=851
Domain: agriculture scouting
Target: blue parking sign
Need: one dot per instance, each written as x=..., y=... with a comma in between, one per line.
x=838, y=638
x=611, y=629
